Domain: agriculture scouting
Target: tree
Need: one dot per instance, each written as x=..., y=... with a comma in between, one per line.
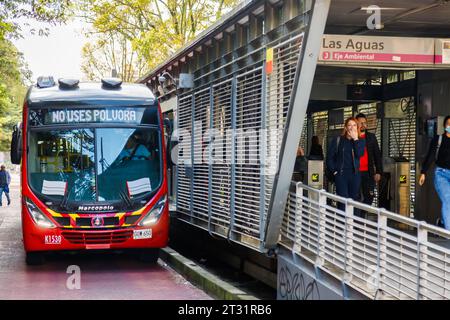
x=12, y=90
x=155, y=29
x=13, y=69
x=50, y=11
x=112, y=51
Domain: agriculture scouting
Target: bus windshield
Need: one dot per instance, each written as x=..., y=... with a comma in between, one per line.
x=94, y=164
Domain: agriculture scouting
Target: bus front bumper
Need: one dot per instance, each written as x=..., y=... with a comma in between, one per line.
x=58, y=239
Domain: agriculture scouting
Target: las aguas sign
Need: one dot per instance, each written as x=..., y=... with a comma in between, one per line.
x=346, y=49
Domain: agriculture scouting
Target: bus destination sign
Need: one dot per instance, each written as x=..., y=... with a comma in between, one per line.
x=92, y=115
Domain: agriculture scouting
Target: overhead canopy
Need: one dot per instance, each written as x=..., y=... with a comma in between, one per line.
x=420, y=18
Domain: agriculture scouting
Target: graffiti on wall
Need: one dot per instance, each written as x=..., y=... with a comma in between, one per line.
x=296, y=283
x=292, y=286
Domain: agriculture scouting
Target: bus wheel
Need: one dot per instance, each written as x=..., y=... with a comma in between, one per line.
x=35, y=258
x=149, y=255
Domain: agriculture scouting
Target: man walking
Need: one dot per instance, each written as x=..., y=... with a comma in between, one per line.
x=371, y=166
x=5, y=180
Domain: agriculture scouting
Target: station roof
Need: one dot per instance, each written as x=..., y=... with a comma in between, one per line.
x=408, y=18
x=89, y=91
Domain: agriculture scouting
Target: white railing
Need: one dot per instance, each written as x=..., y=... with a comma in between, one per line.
x=384, y=255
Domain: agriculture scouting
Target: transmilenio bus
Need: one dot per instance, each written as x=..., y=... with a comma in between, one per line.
x=93, y=168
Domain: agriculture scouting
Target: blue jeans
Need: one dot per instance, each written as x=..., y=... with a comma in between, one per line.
x=6, y=191
x=442, y=185
x=348, y=185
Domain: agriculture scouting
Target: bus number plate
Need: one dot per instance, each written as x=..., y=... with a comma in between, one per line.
x=52, y=239
x=142, y=234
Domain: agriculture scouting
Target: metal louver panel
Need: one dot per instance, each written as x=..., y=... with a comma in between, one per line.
x=247, y=214
x=237, y=124
x=200, y=168
x=184, y=154
x=278, y=92
x=221, y=161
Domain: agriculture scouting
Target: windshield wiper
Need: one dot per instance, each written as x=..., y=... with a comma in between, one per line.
x=124, y=195
x=65, y=200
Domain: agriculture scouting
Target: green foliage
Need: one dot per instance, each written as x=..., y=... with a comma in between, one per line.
x=12, y=90
x=13, y=70
x=50, y=11
x=112, y=51
x=153, y=29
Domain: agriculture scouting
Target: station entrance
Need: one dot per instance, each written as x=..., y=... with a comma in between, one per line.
x=403, y=109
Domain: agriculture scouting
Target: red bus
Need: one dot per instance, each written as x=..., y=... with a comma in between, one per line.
x=93, y=168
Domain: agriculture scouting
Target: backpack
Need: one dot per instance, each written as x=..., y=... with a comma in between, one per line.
x=328, y=173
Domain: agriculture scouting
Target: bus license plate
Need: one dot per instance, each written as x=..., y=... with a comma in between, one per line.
x=142, y=234
x=52, y=239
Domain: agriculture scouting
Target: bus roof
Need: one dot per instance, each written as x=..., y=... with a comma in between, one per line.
x=92, y=93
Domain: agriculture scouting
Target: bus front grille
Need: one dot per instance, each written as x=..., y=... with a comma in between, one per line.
x=107, y=221
x=86, y=238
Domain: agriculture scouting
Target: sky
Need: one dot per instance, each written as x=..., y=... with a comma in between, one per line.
x=58, y=54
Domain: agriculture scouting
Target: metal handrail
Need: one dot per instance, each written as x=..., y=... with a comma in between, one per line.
x=372, y=256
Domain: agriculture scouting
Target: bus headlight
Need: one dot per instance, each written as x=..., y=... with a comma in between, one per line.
x=38, y=217
x=155, y=213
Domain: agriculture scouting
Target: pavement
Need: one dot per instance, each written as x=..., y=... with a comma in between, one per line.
x=102, y=276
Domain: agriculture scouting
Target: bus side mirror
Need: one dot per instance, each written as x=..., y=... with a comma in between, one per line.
x=16, y=144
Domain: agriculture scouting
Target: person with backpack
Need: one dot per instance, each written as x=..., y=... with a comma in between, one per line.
x=439, y=152
x=343, y=162
x=5, y=180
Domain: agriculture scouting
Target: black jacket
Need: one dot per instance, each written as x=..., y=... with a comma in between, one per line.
x=443, y=158
x=374, y=154
x=338, y=153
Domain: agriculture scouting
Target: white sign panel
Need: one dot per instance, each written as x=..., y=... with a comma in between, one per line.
x=139, y=186
x=55, y=188
x=376, y=50
x=442, y=51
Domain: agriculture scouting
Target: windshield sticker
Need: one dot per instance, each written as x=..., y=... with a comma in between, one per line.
x=55, y=188
x=139, y=186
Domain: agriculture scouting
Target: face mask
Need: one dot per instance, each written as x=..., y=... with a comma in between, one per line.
x=447, y=129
